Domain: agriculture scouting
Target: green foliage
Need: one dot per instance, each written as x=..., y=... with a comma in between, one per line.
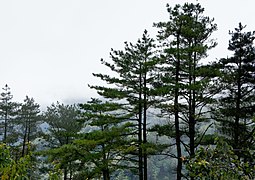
x=108, y=138
x=13, y=169
x=99, y=151
x=132, y=67
x=63, y=130
x=63, y=124
x=55, y=173
x=218, y=162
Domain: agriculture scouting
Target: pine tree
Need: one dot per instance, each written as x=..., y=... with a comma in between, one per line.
x=102, y=147
x=63, y=129
x=133, y=86
x=8, y=111
x=185, y=42
x=28, y=120
x=235, y=108
x=63, y=126
x=110, y=137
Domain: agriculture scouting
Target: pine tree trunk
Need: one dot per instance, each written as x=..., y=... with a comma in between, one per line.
x=176, y=115
x=106, y=174
x=238, y=110
x=192, y=104
x=24, y=140
x=144, y=126
x=65, y=174
x=29, y=130
x=5, y=126
x=140, y=153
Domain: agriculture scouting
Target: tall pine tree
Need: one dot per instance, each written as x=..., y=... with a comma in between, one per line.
x=8, y=111
x=28, y=121
x=185, y=40
x=132, y=86
x=235, y=108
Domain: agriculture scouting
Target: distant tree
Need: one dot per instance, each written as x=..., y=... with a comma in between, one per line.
x=63, y=123
x=28, y=120
x=8, y=111
x=27, y=128
x=235, y=106
x=63, y=129
x=185, y=40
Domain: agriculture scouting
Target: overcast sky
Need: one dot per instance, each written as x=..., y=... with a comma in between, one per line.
x=49, y=48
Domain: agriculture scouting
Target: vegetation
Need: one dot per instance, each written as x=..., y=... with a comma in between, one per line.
x=218, y=162
x=13, y=168
x=164, y=112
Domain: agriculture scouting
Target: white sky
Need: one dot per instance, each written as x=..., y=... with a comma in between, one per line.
x=49, y=48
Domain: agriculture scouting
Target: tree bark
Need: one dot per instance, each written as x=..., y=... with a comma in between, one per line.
x=238, y=110
x=176, y=114
x=24, y=140
x=145, y=123
x=140, y=153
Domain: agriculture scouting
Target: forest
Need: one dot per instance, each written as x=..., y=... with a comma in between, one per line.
x=163, y=112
